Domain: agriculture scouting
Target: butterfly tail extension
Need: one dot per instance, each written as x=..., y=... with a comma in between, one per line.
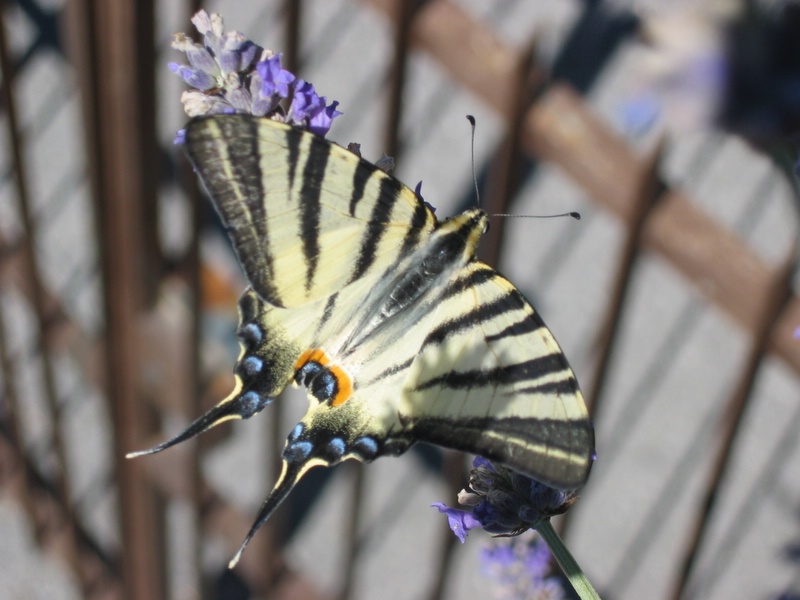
x=292, y=471
x=241, y=406
x=262, y=372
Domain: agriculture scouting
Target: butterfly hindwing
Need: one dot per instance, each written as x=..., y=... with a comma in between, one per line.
x=490, y=379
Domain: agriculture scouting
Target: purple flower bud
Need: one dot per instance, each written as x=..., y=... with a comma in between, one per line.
x=505, y=502
x=239, y=99
x=321, y=121
x=478, y=461
x=248, y=52
x=261, y=105
x=202, y=22
x=230, y=54
x=460, y=521
x=275, y=78
x=201, y=60
x=193, y=77
x=212, y=28
x=305, y=102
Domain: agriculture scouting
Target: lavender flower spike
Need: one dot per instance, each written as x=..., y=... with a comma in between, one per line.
x=221, y=69
x=230, y=74
x=505, y=502
x=521, y=568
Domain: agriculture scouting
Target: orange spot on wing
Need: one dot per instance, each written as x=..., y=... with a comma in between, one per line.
x=344, y=387
x=344, y=383
x=316, y=355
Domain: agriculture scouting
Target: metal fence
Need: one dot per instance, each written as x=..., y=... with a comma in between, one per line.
x=117, y=309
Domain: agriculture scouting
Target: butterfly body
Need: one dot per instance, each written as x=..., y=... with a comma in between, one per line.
x=382, y=312
x=353, y=390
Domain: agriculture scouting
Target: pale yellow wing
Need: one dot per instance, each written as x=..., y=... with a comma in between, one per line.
x=490, y=379
x=305, y=216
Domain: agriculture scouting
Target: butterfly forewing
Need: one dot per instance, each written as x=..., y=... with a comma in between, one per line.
x=306, y=217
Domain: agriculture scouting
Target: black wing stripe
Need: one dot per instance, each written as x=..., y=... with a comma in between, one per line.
x=310, y=194
x=528, y=324
x=225, y=154
x=330, y=304
x=388, y=195
x=476, y=277
x=293, y=140
x=418, y=221
x=391, y=371
x=507, y=303
x=360, y=177
x=561, y=434
x=244, y=161
x=530, y=370
x=565, y=387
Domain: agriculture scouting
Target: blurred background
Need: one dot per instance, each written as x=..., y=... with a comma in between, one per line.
x=674, y=298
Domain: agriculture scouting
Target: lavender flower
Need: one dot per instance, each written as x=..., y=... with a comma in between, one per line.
x=504, y=502
x=310, y=109
x=508, y=504
x=520, y=568
x=221, y=70
x=230, y=74
x=275, y=78
x=460, y=521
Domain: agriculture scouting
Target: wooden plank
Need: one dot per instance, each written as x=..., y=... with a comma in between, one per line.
x=120, y=148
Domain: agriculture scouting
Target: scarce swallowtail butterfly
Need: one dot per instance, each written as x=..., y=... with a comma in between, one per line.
x=381, y=311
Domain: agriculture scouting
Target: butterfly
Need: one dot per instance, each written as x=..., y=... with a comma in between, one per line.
x=381, y=311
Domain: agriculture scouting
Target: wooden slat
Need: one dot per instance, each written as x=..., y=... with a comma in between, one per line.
x=121, y=151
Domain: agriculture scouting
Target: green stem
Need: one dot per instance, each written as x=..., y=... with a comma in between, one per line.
x=576, y=577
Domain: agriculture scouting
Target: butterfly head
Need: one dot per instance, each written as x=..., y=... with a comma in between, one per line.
x=478, y=220
x=457, y=238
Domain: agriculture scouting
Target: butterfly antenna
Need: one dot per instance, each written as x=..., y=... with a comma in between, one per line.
x=471, y=120
x=575, y=215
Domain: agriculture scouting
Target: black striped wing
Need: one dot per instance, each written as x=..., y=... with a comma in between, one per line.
x=305, y=216
x=490, y=379
x=467, y=364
